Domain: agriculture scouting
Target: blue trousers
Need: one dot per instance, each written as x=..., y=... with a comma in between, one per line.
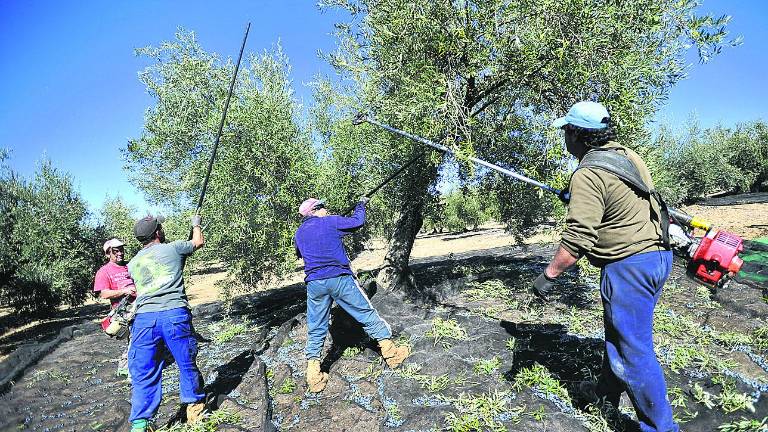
x=630, y=289
x=345, y=291
x=149, y=332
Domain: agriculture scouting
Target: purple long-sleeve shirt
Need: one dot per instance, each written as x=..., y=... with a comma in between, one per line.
x=318, y=242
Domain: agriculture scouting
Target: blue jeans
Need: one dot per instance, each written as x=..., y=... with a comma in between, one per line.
x=347, y=293
x=149, y=332
x=630, y=289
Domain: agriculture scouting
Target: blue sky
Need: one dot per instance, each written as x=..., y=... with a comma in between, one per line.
x=69, y=88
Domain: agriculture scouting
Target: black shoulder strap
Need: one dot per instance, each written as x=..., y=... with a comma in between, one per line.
x=616, y=163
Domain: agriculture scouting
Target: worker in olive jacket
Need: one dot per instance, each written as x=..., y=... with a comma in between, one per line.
x=618, y=227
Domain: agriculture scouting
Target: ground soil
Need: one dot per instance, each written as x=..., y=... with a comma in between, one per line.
x=746, y=220
x=476, y=279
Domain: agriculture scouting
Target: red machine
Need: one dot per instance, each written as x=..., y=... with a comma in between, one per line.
x=714, y=258
x=717, y=257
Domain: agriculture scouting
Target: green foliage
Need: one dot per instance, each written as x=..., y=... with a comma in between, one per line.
x=264, y=165
x=698, y=162
x=49, y=375
x=393, y=412
x=537, y=376
x=678, y=399
x=288, y=386
x=117, y=220
x=460, y=210
x=702, y=396
x=225, y=331
x=446, y=331
x=511, y=344
x=487, y=366
x=479, y=412
x=49, y=251
x=729, y=399
x=210, y=423
x=686, y=343
x=351, y=352
x=487, y=77
x=745, y=425
x=430, y=383
x=434, y=384
x=491, y=289
x=588, y=274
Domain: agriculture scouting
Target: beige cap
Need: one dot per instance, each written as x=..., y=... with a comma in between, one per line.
x=112, y=243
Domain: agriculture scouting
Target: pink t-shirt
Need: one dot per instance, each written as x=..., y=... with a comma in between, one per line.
x=112, y=276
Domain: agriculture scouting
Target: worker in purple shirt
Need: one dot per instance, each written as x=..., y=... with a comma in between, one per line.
x=329, y=278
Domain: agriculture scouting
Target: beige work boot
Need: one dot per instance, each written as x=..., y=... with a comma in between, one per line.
x=195, y=412
x=316, y=380
x=393, y=355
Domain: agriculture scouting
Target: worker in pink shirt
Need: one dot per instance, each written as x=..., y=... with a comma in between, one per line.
x=113, y=282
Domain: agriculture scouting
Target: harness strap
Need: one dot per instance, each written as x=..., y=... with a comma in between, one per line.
x=612, y=161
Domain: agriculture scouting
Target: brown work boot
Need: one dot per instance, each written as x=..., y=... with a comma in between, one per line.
x=195, y=412
x=316, y=380
x=393, y=355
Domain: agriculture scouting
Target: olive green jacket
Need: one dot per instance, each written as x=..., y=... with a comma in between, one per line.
x=607, y=219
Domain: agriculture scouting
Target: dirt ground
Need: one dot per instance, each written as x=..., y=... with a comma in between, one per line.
x=749, y=221
x=707, y=342
x=746, y=220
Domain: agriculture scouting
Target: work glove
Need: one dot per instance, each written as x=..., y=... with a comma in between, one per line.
x=543, y=286
x=564, y=196
x=364, y=199
x=197, y=220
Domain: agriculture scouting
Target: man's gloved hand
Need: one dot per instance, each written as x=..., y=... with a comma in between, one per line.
x=364, y=199
x=197, y=220
x=564, y=196
x=543, y=286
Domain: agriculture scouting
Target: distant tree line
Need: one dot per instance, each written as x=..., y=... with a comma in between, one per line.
x=484, y=78
x=691, y=164
x=48, y=248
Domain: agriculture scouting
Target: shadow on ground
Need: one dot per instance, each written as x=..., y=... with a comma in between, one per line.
x=484, y=353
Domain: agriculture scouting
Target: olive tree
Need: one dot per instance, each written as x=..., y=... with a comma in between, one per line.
x=264, y=167
x=697, y=162
x=117, y=220
x=487, y=76
x=49, y=250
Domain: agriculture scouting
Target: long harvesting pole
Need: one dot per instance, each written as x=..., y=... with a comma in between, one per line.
x=680, y=217
x=221, y=126
x=387, y=180
x=363, y=118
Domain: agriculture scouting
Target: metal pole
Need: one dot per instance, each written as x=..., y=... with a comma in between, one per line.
x=387, y=180
x=680, y=217
x=221, y=126
x=362, y=118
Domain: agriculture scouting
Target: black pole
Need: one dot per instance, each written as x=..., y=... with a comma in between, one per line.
x=221, y=126
x=387, y=180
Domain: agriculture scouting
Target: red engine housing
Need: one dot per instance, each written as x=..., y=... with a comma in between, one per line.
x=716, y=257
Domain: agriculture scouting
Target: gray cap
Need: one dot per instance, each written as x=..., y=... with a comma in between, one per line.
x=146, y=227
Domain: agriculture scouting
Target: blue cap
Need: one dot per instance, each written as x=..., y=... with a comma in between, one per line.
x=584, y=114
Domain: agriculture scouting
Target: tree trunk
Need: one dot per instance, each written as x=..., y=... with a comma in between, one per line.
x=396, y=275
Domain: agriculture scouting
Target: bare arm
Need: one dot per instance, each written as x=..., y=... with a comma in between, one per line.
x=197, y=237
x=109, y=294
x=560, y=263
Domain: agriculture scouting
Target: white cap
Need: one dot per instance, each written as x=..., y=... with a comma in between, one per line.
x=112, y=243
